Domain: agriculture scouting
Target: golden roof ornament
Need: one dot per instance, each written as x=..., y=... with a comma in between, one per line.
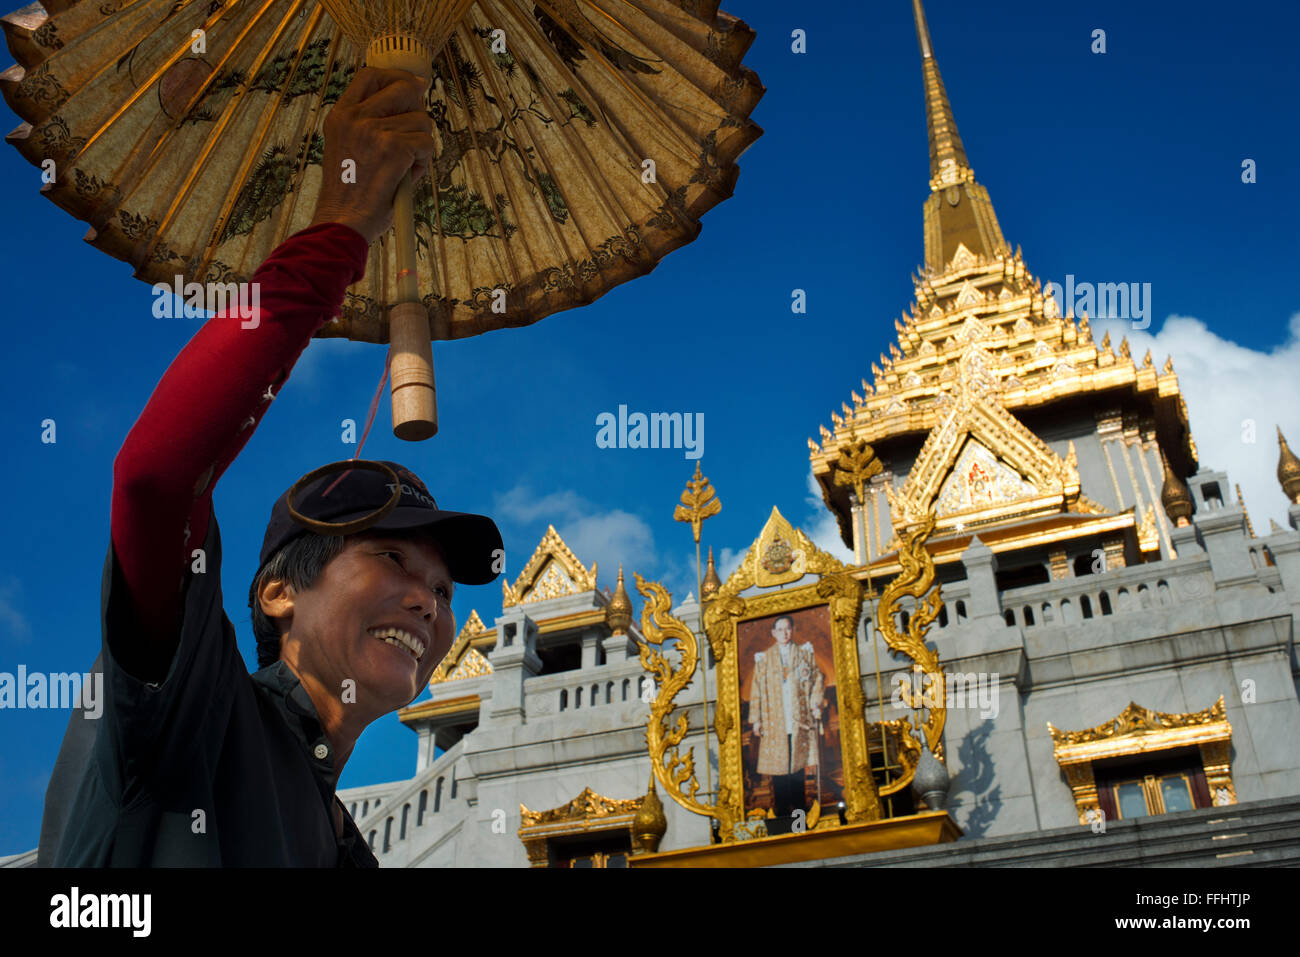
x=699, y=502
x=618, y=613
x=650, y=823
x=711, y=580
x=1242, y=502
x=1174, y=496
x=1288, y=470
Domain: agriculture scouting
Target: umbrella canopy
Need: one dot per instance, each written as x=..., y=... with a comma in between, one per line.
x=577, y=142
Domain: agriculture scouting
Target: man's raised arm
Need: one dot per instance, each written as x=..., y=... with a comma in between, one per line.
x=211, y=398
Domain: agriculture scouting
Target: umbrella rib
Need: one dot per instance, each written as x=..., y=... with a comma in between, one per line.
x=210, y=144
x=284, y=221
x=649, y=108
x=613, y=209
x=477, y=150
x=537, y=198
x=145, y=87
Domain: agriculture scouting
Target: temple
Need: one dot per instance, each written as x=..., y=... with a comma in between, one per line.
x=1119, y=638
x=1138, y=632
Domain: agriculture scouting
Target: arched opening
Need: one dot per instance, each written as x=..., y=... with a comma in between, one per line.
x=609, y=692
x=1124, y=600
x=943, y=616
x=437, y=796
x=1162, y=589
x=626, y=685
x=564, y=699
x=388, y=834
x=421, y=808
x=1085, y=606
x=1144, y=596
x=1049, y=615
x=1104, y=600
x=1009, y=617
x=406, y=813
x=961, y=610
x=1028, y=612
x=1067, y=612
x=577, y=699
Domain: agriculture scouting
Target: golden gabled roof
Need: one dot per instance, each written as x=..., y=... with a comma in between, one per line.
x=552, y=571
x=464, y=660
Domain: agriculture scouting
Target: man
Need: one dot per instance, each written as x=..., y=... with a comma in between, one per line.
x=195, y=762
x=786, y=700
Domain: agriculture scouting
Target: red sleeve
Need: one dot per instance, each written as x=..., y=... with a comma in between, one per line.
x=205, y=409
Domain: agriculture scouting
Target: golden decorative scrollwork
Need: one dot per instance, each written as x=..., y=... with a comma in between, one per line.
x=916, y=579
x=658, y=626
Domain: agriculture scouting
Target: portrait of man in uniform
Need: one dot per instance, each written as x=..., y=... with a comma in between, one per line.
x=787, y=704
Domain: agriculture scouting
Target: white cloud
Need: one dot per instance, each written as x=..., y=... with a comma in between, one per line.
x=1227, y=386
x=821, y=525
x=607, y=537
x=12, y=621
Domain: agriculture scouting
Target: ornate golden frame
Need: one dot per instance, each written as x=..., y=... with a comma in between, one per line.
x=781, y=555
x=1138, y=730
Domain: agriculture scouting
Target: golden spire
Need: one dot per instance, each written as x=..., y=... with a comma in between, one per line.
x=1288, y=470
x=711, y=580
x=618, y=613
x=1174, y=496
x=945, y=141
x=959, y=211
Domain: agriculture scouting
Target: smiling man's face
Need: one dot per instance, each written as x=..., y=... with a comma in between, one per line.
x=373, y=599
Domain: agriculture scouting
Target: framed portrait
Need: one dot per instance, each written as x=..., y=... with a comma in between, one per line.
x=791, y=730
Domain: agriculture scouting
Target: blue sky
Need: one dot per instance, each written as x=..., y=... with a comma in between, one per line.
x=1117, y=167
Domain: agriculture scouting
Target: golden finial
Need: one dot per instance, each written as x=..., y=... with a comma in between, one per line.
x=1124, y=349
x=649, y=825
x=1105, y=341
x=711, y=580
x=699, y=502
x=1146, y=360
x=1288, y=470
x=1169, y=363
x=1072, y=457
x=618, y=613
x=813, y=447
x=1174, y=496
x=848, y=413
x=835, y=417
x=857, y=399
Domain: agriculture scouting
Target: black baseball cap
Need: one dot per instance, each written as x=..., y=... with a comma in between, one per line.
x=349, y=492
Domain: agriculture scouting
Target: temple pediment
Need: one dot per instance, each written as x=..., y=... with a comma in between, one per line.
x=552, y=571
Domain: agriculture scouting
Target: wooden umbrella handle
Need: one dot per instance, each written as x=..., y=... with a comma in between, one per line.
x=415, y=407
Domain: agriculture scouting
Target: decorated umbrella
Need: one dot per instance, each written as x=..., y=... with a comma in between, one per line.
x=576, y=143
